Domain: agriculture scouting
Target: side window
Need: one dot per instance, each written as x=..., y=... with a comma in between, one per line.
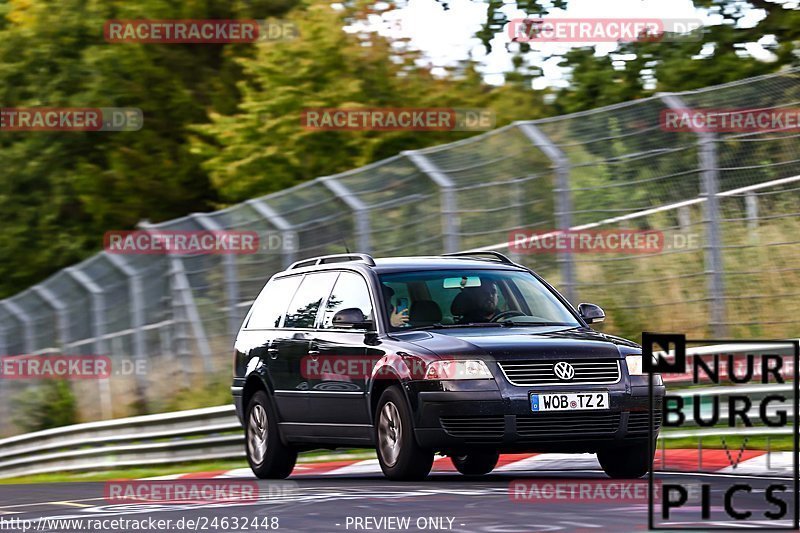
x=350, y=292
x=271, y=304
x=305, y=305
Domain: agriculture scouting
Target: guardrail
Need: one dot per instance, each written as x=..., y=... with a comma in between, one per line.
x=215, y=433
x=200, y=434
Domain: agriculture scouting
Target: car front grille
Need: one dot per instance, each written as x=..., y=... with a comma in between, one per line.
x=587, y=372
x=476, y=428
x=567, y=426
x=638, y=421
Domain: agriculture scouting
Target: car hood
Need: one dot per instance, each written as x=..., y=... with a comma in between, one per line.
x=521, y=342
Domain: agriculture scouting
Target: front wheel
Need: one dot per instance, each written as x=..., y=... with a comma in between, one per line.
x=626, y=462
x=475, y=464
x=268, y=457
x=399, y=455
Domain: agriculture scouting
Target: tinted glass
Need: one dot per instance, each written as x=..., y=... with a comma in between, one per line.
x=271, y=304
x=305, y=305
x=350, y=292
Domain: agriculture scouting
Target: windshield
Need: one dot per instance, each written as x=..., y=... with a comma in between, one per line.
x=443, y=298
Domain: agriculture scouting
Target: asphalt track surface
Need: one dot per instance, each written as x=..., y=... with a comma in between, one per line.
x=330, y=504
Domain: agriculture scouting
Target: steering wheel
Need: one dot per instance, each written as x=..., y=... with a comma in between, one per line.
x=506, y=314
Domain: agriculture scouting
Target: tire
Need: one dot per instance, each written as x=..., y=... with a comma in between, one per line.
x=268, y=456
x=399, y=455
x=626, y=462
x=475, y=464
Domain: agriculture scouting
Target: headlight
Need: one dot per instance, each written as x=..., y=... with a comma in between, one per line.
x=452, y=369
x=635, y=365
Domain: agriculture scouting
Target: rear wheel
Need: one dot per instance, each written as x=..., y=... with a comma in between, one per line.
x=626, y=462
x=475, y=464
x=399, y=455
x=269, y=458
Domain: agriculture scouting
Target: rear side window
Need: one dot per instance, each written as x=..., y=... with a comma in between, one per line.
x=305, y=305
x=350, y=292
x=272, y=303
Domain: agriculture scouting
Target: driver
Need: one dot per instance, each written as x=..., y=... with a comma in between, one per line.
x=478, y=304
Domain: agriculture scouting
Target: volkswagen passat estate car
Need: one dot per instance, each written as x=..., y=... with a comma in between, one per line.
x=465, y=355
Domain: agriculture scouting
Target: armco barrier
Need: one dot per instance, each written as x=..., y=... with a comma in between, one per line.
x=200, y=434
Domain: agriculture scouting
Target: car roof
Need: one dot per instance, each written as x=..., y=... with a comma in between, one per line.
x=389, y=265
x=406, y=264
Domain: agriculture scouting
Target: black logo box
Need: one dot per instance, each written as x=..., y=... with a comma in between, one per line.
x=677, y=343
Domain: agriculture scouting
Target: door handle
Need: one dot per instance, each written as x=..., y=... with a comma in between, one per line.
x=273, y=353
x=314, y=354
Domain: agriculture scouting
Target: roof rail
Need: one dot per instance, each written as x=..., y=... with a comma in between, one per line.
x=335, y=258
x=492, y=254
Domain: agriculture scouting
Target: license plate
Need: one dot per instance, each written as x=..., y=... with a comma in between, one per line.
x=569, y=401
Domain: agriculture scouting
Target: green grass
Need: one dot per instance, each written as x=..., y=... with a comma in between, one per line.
x=125, y=473
x=181, y=468
x=734, y=443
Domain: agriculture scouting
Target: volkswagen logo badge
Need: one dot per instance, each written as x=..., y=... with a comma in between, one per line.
x=564, y=371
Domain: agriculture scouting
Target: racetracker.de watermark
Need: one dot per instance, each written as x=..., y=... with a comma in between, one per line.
x=182, y=491
x=55, y=367
x=730, y=120
x=598, y=30
x=628, y=241
x=578, y=490
x=194, y=31
x=200, y=242
x=71, y=119
x=391, y=119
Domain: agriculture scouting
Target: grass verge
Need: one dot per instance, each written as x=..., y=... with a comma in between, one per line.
x=180, y=468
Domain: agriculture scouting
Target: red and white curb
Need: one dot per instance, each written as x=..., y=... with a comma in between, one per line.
x=747, y=462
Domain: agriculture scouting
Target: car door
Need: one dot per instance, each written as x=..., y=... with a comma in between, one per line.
x=344, y=359
x=293, y=347
x=263, y=335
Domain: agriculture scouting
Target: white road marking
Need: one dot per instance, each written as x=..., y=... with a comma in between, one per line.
x=553, y=461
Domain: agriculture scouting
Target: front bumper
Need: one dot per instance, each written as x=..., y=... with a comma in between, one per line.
x=453, y=415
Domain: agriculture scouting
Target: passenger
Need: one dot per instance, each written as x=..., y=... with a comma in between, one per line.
x=397, y=320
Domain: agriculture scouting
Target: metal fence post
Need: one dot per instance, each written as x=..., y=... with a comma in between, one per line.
x=707, y=155
x=359, y=208
x=137, y=320
x=279, y=222
x=60, y=309
x=450, y=222
x=5, y=400
x=231, y=276
x=185, y=297
x=563, y=198
x=28, y=344
x=96, y=296
x=27, y=347
x=751, y=208
x=183, y=294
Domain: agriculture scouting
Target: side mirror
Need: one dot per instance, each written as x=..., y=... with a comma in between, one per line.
x=351, y=318
x=591, y=313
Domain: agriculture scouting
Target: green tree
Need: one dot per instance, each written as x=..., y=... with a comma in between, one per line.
x=264, y=148
x=715, y=54
x=60, y=191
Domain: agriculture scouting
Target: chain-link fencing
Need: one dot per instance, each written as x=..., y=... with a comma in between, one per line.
x=727, y=205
